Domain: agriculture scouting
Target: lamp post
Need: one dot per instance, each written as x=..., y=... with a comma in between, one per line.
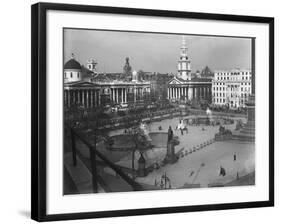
x=164, y=181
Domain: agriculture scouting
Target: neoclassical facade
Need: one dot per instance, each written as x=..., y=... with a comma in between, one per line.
x=195, y=89
x=95, y=94
x=183, y=86
x=98, y=90
x=232, y=88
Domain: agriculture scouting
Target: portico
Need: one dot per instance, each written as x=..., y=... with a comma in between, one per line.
x=197, y=88
x=89, y=95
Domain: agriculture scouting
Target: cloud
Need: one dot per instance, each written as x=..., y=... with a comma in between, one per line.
x=155, y=52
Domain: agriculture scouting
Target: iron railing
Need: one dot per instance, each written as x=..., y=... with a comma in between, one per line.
x=94, y=153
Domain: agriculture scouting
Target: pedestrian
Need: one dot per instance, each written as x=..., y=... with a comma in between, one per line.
x=181, y=131
x=234, y=157
x=222, y=171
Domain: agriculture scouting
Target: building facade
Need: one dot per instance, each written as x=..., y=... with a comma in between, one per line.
x=231, y=88
x=86, y=88
x=184, y=86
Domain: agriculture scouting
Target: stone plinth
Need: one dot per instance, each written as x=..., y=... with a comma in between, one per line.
x=247, y=133
x=141, y=169
x=171, y=157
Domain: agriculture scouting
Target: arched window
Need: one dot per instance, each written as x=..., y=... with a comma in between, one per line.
x=70, y=74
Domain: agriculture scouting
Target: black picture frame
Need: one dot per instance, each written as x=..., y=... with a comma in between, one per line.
x=39, y=122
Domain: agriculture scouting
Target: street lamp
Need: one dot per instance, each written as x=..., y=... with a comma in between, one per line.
x=164, y=181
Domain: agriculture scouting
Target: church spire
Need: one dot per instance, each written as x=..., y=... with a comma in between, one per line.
x=184, y=71
x=183, y=47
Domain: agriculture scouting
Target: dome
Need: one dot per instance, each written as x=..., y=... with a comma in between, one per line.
x=72, y=64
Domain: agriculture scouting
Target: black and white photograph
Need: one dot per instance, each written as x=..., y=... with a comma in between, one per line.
x=157, y=111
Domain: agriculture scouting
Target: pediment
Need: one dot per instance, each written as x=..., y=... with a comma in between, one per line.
x=175, y=81
x=80, y=84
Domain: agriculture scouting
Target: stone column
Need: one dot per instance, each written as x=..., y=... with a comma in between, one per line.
x=170, y=92
x=83, y=97
x=99, y=98
x=96, y=97
x=78, y=96
x=68, y=98
x=194, y=92
x=91, y=101
x=113, y=91
x=190, y=91
x=125, y=95
x=64, y=97
x=135, y=94
x=117, y=95
x=87, y=98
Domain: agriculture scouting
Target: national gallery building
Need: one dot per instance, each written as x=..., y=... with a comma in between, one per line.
x=184, y=86
x=83, y=86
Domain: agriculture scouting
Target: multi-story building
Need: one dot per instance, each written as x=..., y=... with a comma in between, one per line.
x=83, y=86
x=231, y=88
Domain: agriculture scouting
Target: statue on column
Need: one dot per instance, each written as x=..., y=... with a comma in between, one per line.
x=171, y=157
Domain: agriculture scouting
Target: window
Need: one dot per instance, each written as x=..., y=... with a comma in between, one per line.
x=78, y=74
x=70, y=74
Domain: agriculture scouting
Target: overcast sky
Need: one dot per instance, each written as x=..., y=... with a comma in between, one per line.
x=155, y=52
